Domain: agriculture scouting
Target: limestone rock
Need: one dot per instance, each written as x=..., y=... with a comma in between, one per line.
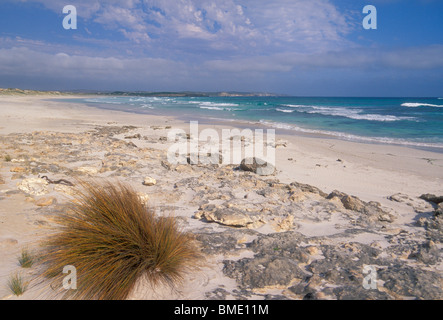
x=149, y=181
x=89, y=170
x=144, y=198
x=226, y=216
x=371, y=211
x=257, y=166
x=33, y=186
x=64, y=189
x=432, y=198
x=44, y=202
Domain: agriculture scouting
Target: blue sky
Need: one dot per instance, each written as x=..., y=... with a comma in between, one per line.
x=296, y=47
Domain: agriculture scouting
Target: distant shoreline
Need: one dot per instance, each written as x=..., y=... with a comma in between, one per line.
x=15, y=91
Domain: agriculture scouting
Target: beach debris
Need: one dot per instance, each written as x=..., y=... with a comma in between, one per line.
x=60, y=181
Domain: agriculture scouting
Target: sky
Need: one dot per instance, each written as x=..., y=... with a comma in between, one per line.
x=293, y=47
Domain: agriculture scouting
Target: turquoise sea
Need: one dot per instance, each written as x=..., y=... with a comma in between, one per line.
x=406, y=121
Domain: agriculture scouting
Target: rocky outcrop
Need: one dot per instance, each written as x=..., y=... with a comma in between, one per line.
x=432, y=198
x=371, y=211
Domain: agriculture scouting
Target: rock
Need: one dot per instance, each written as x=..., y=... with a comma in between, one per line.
x=149, y=181
x=88, y=170
x=432, y=198
x=232, y=217
x=2, y=181
x=427, y=253
x=257, y=166
x=144, y=198
x=44, y=202
x=336, y=194
x=64, y=189
x=312, y=250
x=263, y=271
x=34, y=186
x=399, y=197
x=372, y=210
x=17, y=169
x=439, y=210
x=308, y=188
x=353, y=203
x=412, y=282
x=224, y=243
x=135, y=136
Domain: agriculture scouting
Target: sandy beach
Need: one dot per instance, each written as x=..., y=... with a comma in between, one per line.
x=331, y=208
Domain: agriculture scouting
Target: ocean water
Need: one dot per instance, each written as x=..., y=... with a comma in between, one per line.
x=405, y=121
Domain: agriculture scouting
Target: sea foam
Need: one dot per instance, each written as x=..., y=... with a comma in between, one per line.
x=415, y=105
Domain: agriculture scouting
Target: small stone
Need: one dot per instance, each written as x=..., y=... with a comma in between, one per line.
x=17, y=169
x=44, y=202
x=149, y=181
x=144, y=198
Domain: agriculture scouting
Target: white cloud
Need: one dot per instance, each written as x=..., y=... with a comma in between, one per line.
x=93, y=71
x=307, y=25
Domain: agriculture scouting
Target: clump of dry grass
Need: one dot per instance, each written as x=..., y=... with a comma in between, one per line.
x=112, y=240
x=17, y=285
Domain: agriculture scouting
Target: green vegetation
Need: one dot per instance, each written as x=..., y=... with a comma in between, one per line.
x=17, y=285
x=26, y=260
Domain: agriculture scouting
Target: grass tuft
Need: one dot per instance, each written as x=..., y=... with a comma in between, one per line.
x=17, y=285
x=26, y=260
x=8, y=158
x=112, y=240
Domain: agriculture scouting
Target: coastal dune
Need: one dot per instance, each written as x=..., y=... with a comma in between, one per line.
x=308, y=231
